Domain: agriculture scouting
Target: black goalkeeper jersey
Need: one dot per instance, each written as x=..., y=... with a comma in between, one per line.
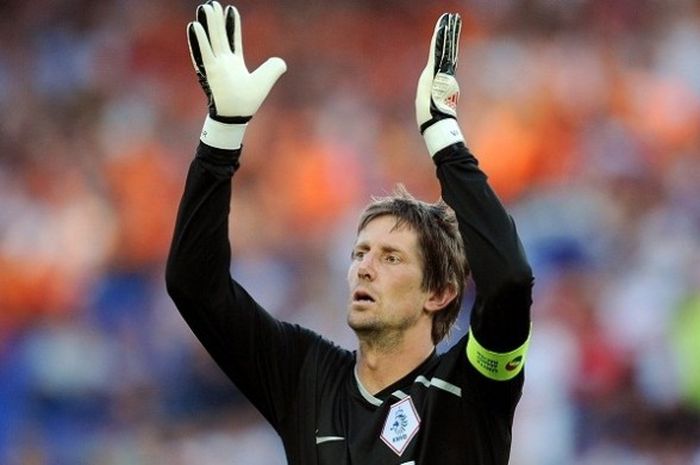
x=455, y=408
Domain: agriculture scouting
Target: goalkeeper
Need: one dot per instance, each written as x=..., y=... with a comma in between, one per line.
x=394, y=400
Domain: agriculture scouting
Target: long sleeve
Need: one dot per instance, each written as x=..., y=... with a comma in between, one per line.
x=260, y=354
x=500, y=319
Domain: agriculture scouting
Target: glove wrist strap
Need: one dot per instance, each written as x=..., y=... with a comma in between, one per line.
x=441, y=134
x=222, y=135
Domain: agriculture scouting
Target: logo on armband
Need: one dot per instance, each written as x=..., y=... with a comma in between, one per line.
x=515, y=363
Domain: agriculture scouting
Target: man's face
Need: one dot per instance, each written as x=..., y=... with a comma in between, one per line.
x=385, y=278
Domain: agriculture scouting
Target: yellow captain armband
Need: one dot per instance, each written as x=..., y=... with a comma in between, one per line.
x=494, y=365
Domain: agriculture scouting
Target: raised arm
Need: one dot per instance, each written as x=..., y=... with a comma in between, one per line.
x=260, y=354
x=500, y=319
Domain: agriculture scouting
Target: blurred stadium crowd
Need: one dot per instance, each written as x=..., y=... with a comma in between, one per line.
x=585, y=113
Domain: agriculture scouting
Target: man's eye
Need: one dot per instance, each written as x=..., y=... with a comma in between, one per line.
x=357, y=254
x=392, y=259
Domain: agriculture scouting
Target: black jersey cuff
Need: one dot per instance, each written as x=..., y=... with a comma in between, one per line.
x=222, y=162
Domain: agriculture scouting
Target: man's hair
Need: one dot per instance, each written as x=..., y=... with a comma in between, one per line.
x=439, y=243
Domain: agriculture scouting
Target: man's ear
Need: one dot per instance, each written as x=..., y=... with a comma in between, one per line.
x=439, y=300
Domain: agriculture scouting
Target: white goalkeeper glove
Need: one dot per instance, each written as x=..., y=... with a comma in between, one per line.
x=438, y=90
x=234, y=93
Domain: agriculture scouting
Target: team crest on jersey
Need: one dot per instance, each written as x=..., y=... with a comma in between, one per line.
x=402, y=423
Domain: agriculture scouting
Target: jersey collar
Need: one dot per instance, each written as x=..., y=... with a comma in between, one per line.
x=395, y=389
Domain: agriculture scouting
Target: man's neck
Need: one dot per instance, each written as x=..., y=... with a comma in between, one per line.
x=381, y=364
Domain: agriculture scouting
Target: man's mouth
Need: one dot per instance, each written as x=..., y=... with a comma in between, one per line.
x=362, y=296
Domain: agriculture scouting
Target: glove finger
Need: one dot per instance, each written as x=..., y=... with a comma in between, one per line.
x=215, y=27
x=268, y=73
x=202, y=19
x=440, y=40
x=455, y=47
x=195, y=52
x=433, y=43
x=233, y=30
x=448, y=64
x=220, y=29
x=445, y=64
x=205, y=52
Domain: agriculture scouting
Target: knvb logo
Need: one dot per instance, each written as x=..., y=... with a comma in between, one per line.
x=401, y=425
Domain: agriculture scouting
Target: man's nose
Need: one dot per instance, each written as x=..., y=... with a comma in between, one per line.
x=365, y=269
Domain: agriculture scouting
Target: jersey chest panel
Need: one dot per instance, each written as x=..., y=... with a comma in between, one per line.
x=433, y=419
